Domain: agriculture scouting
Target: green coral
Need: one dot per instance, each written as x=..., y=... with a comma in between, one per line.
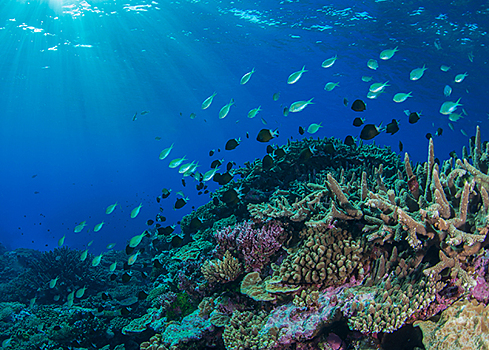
x=181, y=307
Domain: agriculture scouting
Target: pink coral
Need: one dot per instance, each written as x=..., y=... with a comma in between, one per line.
x=254, y=245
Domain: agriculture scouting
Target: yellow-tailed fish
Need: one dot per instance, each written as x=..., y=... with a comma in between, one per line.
x=330, y=86
x=134, y=242
x=373, y=95
x=254, y=112
x=387, y=54
x=207, y=102
x=61, y=241
x=449, y=107
x=454, y=117
x=52, y=283
x=276, y=96
x=376, y=87
x=225, y=110
x=32, y=302
x=447, y=90
x=460, y=77
x=136, y=210
x=110, y=208
x=90, y=243
x=97, y=259
x=80, y=292
x=464, y=132
x=177, y=162
x=294, y=77
x=69, y=303
x=401, y=97
x=112, y=267
x=79, y=228
x=84, y=255
x=444, y=68
x=366, y=78
x=132, y=259
x=165, y=152
x=184, y=167
x=98, y=227
x=71, y=296
x=299, y=105
x=110, y=245
x=417, y=73
x=245, y=78
x=373, y=64
x=329, y=62
x=313, y=128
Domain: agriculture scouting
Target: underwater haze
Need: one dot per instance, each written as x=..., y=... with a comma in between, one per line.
x=93, y=91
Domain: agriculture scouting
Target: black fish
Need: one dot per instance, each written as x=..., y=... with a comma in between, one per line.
x=301, y=130
x=270, y=149
x=286, y=111
x=392, y=127
x=195, y=223
x=329, y=148
x=176, y=241
x=279, y=153
x=349, y=141
x=126, y=277
x=305, y=154
x=150, y=222
x=216, y=163
x=167, y=230
x=267, y=162
x=345, y=102
x=179, y=203
x=247, y=135
x=56, y=328
x=400, y=146
x=369, y=131
x=142, y=295
x=413, y=117
x=113, y=277
x=230, y=197
x=165, y=193
x=184, y=183
x=222, y=179
x=358, y=122
x=229, y=166
x=157, y=264
x=129, y=250
x=266, y=135
x=232, y=144
x=160, y=218
x=439, y=132
x=211, y=153
x=125, y=311
x=199, y=186
x=126, y=266
x=215, y=201
x=358, y=106
x=158, y=199
x=428, y=136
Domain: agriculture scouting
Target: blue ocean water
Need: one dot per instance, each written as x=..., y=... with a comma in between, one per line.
x=74, y=73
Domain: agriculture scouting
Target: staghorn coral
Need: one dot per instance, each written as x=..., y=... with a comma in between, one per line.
x=463, y=326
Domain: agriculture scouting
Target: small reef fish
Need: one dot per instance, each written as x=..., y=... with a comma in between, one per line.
x=330, y=86
x=84, y=255
x=134, y=242
x=294, y=77
x=225, y=110
x=366, y=79
x=52, y=283
x=79, y=228
x=387, y=54
x=276, y=96
x=300, y=105
x=372, y=64
x=358, y=106
x=176, y=162
x=417, y=73
x=180, y=203
x=252, y=113
x=207, y=102
x=110, y=245
x=165, y=152
x=136, y=210
x=369, y=131
x=245, y=78
x=401, y=97
x=98, y=227
x=460, y=77
x=97, y=259
x=266, y=135
x=413, y=117
x=454, y=117
x=329, y=62
x=444, y=68
x=80, y=292
x=313, y=128
x=376, y=87
x=209, y=174
x=449, y=107
x=447, y=90
x=112, y=267
x=110, y=208
x=358, y=121
x=132, y=259
x=232, y=144
x=392, y=127
x=61, y=241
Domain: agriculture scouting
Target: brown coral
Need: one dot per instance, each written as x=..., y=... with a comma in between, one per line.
x=225, y=270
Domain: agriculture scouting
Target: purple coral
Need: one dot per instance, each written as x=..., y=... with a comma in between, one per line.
x=254, y=245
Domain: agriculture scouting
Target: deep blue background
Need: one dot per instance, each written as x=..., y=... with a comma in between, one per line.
x=72, y=77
